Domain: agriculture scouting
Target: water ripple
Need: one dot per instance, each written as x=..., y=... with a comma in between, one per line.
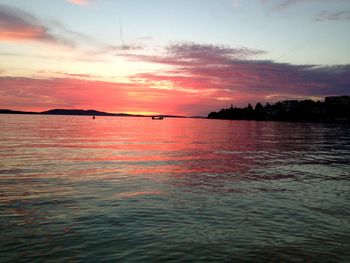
x=129, y=189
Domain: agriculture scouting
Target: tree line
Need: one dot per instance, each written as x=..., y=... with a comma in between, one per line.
x=331, y=109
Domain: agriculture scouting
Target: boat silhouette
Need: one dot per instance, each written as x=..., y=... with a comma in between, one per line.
x=157, y=117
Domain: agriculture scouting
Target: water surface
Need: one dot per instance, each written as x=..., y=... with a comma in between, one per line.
x=138, y=190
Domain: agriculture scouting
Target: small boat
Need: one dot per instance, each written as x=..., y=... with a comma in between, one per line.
x=157, y=118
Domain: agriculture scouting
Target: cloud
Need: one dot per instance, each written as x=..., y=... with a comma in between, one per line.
x=332, y=16
x=191, y=54
x=228, y=73
x=93, y=46
x=284, y=4
x=236, y=3
x=287, y=3
x=212, y=53
x=71, y=75
x=196, y=80
x=32, y=93
x=41, y=94
x=79, y=2
x=17, y=25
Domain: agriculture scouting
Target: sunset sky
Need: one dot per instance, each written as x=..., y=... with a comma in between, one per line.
x=186, y=57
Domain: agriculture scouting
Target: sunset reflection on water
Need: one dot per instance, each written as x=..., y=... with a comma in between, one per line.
x=134, y=189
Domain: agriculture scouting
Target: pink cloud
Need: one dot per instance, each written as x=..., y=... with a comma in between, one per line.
x=42, y=94
x=17, y=25
x=231, y=73
x=79, y=2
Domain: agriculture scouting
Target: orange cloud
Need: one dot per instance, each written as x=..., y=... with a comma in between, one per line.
x=22, y=34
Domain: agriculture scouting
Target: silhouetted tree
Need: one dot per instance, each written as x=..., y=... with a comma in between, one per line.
x=259, y=112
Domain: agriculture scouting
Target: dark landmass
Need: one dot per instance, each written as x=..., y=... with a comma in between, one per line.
x=197, y=117
x=69, y=112
x=333, y=109
x=5, y=111
x=80, y=113
x=84, y=113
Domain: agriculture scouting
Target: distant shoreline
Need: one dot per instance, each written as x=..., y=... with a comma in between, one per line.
x=74, y=112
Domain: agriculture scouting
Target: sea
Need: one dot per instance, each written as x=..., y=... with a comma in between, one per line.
x=121, y=189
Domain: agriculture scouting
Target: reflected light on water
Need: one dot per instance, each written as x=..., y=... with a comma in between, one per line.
x=133, y=189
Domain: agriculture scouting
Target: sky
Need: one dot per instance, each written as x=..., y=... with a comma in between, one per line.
x=181, y=57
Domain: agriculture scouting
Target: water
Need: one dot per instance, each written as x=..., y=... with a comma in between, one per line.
x=138, y=190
